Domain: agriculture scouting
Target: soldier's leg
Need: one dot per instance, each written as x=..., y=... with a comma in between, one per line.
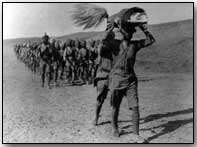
x=38, y=67
x=79, y=72
x=83, y=73
x=93, y=73
x=43, y=70
x=102, y=94
x=95, y=70
x=62, y=70
x=89, y=72
x=72, y=74
x=56, y=68
x=49, y=73
x=86, y=74
x=34, y=66
x=75, y=72
x=69, y=73
x=132, y=97
x=117, y=96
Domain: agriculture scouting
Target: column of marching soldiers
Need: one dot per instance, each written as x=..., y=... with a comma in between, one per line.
x=73, y=60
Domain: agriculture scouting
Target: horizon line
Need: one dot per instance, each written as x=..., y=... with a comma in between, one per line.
x=94, y=31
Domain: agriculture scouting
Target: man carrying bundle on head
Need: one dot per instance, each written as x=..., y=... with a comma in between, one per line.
x=117, y=58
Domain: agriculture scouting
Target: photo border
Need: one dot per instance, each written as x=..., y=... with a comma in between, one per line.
x=106, y=2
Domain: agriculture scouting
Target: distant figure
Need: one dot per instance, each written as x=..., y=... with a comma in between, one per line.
x=93, y=54
x=70, y=59
x=62, y=62
x=56, y=58
x=46, y=55
x=82, y=58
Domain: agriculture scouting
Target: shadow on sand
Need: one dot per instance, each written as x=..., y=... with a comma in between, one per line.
x=168, y=114
x=67, y=84
x=153, y=117
x=168, y=127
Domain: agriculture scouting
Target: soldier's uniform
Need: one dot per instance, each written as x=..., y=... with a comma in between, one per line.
x=46, y=55
x=122, y=76
x=56, y=60
x=77, y=46
x=70, y=58
x=62, y=62
x=123, y=81
x=83, y=61
x=107, y=52
x=93, y=54
x=117, y=68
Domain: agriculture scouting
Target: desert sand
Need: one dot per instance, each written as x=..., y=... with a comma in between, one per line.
x=64, y=114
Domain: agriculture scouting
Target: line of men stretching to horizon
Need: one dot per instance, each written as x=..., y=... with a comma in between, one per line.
x=73, y=60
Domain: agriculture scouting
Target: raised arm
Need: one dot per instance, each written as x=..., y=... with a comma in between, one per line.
x=149, y=40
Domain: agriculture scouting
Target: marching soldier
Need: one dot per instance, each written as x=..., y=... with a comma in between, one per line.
x=62, y=62
x=46, y=54
x=70, y=59
x=83, y=61
x=92, y=50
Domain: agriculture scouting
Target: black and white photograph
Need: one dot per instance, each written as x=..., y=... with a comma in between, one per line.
x=98, y=72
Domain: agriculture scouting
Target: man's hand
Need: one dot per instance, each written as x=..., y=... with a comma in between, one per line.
x=144, y=27
x=149, y=37
x=117, y=22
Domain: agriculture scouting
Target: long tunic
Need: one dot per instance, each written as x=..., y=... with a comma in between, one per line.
x=122, y=73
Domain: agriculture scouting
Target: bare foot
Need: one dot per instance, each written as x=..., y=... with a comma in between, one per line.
x=42, y=85
x=49, y=86
x=95, y=122
x=138, y=139
x=116, y=133
x=56, y=84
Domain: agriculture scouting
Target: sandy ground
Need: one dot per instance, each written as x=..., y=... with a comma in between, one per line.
x=64, y=114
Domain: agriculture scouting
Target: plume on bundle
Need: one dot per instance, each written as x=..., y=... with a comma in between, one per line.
x=89, y=15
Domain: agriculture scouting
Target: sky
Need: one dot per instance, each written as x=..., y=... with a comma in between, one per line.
x=33, y=19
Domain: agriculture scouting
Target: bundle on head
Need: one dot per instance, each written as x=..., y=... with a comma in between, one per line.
x=88, y=15
x=132, y=15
